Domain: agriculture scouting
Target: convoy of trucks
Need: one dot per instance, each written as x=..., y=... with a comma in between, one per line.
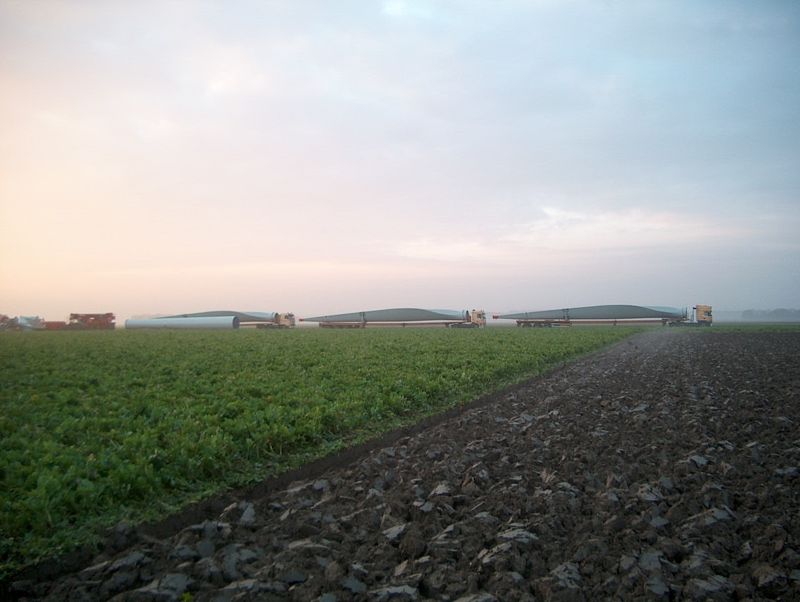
x=701, y=315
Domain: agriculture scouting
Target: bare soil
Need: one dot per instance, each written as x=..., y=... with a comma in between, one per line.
x=663, y=468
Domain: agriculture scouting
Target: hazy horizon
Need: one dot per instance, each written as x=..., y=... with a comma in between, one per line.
x=322, y=158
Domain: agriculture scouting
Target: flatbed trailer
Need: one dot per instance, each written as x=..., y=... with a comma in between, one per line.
x=604, y=314
x=402, y=317
x=620, y=322
x=398, y=324
x=249, y=319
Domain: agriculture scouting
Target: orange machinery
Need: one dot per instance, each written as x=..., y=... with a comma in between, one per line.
x=91, y=321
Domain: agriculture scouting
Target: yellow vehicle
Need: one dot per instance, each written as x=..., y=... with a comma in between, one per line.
x=702, y=315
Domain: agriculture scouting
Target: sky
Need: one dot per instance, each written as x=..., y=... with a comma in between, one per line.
x=323, y=157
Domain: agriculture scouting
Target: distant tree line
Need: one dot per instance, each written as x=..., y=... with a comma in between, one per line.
x=771, y=315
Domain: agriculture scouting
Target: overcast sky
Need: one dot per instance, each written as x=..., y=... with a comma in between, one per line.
x=318, y=157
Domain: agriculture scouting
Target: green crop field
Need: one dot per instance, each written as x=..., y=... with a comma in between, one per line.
x=100, y=426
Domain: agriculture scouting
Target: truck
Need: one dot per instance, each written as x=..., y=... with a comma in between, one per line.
x=611, y=314
x=21, y=323
x=104, y=321
x=475, y=318
x=279, y=320
x=252, y=319
x=702, y=315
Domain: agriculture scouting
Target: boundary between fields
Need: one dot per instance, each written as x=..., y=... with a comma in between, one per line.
x=210, y=508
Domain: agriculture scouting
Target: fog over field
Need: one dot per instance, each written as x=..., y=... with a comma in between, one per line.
x=321, y=157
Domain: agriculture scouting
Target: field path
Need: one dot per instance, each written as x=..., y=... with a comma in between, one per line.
x=664, y=467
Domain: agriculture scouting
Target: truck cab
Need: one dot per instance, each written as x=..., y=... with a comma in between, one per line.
x=702, y=315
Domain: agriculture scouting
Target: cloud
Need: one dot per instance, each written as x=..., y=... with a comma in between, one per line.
x=443, y=250
x=231, y=71
x=404, y=9
x=563, y=233
x=564, y=230
x=223, y=268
